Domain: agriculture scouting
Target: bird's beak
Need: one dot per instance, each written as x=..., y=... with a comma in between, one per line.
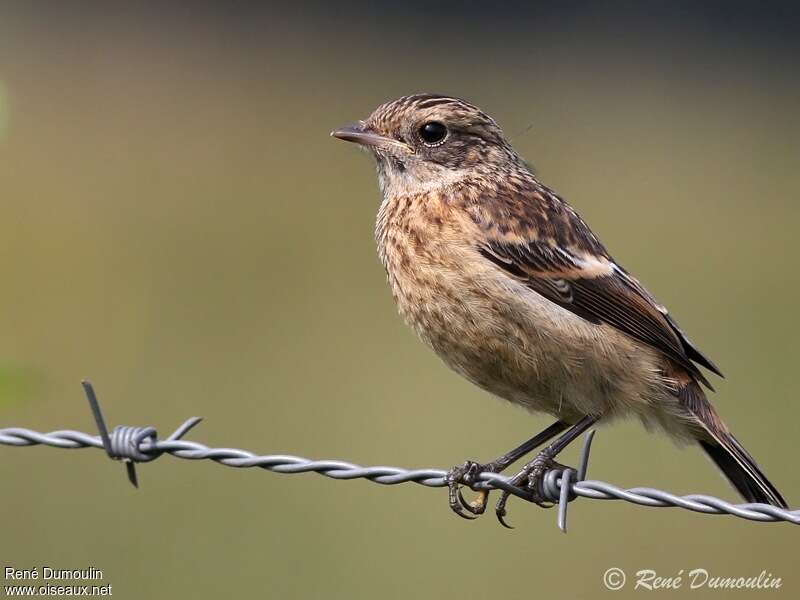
x=360, y=135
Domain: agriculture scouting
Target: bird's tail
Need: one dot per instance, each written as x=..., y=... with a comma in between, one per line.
x=742, y=471
x=736, y=464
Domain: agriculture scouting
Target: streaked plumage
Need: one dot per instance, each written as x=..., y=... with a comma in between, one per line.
x=512, y=290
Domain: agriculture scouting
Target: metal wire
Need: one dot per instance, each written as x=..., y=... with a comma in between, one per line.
x=141, y=444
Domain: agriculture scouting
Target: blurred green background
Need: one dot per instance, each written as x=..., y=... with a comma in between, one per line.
x=177, y=226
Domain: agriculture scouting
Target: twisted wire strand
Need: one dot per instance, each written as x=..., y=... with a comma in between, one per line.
x=151, y=448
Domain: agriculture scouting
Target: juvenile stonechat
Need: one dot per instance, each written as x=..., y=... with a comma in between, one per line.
x=511, y=288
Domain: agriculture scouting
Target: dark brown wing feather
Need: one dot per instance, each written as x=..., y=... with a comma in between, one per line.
x=689, y=348
x=615, y=298
x=606, y=299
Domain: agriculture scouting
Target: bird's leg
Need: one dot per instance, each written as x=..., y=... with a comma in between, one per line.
x=532, y=473
x=467, y=474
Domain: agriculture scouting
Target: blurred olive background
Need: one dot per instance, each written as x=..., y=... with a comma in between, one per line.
x=177, y=226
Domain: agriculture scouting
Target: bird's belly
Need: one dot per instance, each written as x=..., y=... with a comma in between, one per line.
x=518, y=345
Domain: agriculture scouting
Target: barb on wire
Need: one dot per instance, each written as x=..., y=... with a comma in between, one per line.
x=561, y=486
x=124, y=442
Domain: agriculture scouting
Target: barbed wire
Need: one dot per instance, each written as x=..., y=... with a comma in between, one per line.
x=141, y=444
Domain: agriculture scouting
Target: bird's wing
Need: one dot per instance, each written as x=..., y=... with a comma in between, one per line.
x=582, y=278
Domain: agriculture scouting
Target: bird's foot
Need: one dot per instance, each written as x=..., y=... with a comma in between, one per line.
x=467, y=474
x=530, y=477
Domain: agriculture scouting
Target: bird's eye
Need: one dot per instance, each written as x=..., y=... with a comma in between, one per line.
x=432, y=132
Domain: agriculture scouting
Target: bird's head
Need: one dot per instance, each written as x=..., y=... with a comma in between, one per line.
x=426, y=141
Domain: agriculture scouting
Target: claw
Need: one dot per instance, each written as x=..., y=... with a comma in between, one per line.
x=503, y=522
x=466, y=474
x=461, y=513
x=500, y=510
x=455, y=499
x=463, y=501
x=531, y=476
x=478, y=505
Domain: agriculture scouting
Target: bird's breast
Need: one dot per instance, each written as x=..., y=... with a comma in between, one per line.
x=494, y=330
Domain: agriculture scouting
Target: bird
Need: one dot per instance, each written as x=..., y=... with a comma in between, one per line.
x=510, y=287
